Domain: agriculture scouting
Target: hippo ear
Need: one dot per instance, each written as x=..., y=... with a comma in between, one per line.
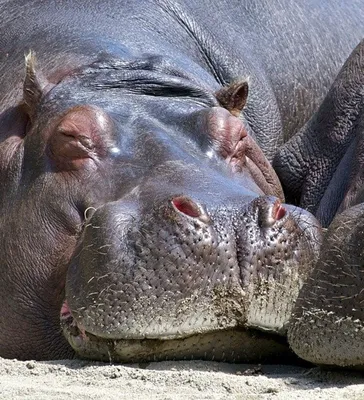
x=233, y=97
x=34, y=84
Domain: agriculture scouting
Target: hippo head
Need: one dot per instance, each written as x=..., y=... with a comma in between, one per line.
x=147, y=217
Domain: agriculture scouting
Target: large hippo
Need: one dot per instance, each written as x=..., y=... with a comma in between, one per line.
x=141, y=217
x=322, y=170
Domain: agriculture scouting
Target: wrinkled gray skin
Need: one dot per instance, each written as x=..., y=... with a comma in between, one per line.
x=327, y=323
x=140, y=216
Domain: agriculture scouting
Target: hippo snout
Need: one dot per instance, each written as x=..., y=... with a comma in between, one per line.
x=177, y=267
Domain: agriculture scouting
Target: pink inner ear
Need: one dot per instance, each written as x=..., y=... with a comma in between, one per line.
x=186, y=206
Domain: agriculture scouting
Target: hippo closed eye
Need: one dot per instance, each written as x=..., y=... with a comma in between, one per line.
x=141, y=217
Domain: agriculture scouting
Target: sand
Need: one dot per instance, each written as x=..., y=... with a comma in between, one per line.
x=77, y=379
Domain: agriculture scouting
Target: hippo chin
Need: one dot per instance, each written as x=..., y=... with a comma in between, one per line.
x=141, y=216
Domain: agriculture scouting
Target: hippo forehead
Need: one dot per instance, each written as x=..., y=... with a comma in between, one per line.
x=107, y=82
x=146, y=113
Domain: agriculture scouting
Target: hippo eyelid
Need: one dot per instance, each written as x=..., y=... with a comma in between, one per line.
x=83, y=139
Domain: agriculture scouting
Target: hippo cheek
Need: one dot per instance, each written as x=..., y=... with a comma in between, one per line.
x=168, y=285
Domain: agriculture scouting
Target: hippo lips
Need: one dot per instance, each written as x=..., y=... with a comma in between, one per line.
x=223, y=345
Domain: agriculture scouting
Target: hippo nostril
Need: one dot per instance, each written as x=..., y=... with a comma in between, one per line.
x=270, y=213
x=278, y=211
x=188, y=207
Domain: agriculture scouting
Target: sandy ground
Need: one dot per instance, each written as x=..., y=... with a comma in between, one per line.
x=75, y=379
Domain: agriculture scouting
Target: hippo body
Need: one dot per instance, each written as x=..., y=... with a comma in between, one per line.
x=141, y=215
x=326, y=325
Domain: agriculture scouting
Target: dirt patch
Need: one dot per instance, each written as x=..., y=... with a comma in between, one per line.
x=76, y=379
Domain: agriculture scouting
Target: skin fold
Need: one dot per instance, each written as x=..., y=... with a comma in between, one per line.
x=328, y=317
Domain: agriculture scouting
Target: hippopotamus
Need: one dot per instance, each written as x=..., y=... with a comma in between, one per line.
x=142, y=216
x=321, y=167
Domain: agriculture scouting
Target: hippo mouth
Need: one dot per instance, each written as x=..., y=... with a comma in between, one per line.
x=231, y=345
x=246, y=317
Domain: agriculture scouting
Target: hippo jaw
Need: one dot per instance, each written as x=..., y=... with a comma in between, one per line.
x=230, y=345
x=221, y=295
